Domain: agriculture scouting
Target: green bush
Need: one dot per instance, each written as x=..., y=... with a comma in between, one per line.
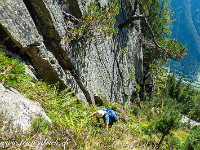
x=95, y=19
x=193, y=141
x=169, y=121
x=164, y=125
x=173, y=142
x=135, y=110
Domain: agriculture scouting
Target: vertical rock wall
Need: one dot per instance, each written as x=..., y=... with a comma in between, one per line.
x=94, y=71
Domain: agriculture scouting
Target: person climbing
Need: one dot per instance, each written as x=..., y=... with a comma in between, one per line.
x=109, y=116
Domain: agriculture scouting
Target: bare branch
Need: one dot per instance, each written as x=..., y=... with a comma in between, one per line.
x=72, y=18
x=154, y=39
x=129, y=21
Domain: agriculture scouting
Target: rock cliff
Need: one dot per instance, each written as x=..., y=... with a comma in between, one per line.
x=94, y=71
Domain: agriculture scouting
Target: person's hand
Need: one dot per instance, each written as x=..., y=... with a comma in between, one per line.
x=92, y=114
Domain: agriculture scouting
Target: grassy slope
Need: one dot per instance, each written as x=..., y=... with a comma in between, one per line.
x=71, y=127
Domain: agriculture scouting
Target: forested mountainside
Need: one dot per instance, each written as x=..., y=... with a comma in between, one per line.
x=186, y=29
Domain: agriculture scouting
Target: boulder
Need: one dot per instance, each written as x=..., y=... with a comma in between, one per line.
x=190, y=121
x=19, y=110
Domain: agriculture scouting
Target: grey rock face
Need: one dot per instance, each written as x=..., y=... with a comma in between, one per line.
x=106, y=70
x=16, y=21
x=32, y=42
x=19, y=110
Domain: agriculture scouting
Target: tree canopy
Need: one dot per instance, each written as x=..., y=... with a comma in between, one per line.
x=159, y=16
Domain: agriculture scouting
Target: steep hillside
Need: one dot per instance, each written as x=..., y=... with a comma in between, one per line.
x=58, y=57
x=140, y=126
x=186, y=30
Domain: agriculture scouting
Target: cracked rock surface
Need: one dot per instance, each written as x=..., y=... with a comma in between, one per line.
x=93, y=71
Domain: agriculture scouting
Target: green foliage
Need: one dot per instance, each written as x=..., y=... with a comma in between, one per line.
x=176, y=51
x=150, y=115
x=95, y=19
x=10, y=69
x=193, y=141
x=194, y=112
x=158, y=15
x=182, y=97
x=169, y=121
x=60, y=109
x=131, y=76
x=135, y=110
x=172, y=143
x=124, y=50
x=165, y=124
x=138, y=88
x=172, y=86
x=39, y=125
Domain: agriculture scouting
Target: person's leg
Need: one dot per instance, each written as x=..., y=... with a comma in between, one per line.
x=110, y=123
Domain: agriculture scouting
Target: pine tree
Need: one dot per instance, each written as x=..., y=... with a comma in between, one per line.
x=179, y=89
x=172, y=87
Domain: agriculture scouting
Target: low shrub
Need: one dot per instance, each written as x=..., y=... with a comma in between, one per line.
x=135, y=110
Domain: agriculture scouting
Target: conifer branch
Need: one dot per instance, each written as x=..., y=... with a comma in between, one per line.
x=154, y=39
x=142, y=17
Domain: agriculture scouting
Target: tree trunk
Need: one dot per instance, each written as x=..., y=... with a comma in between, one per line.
x=161, y=140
